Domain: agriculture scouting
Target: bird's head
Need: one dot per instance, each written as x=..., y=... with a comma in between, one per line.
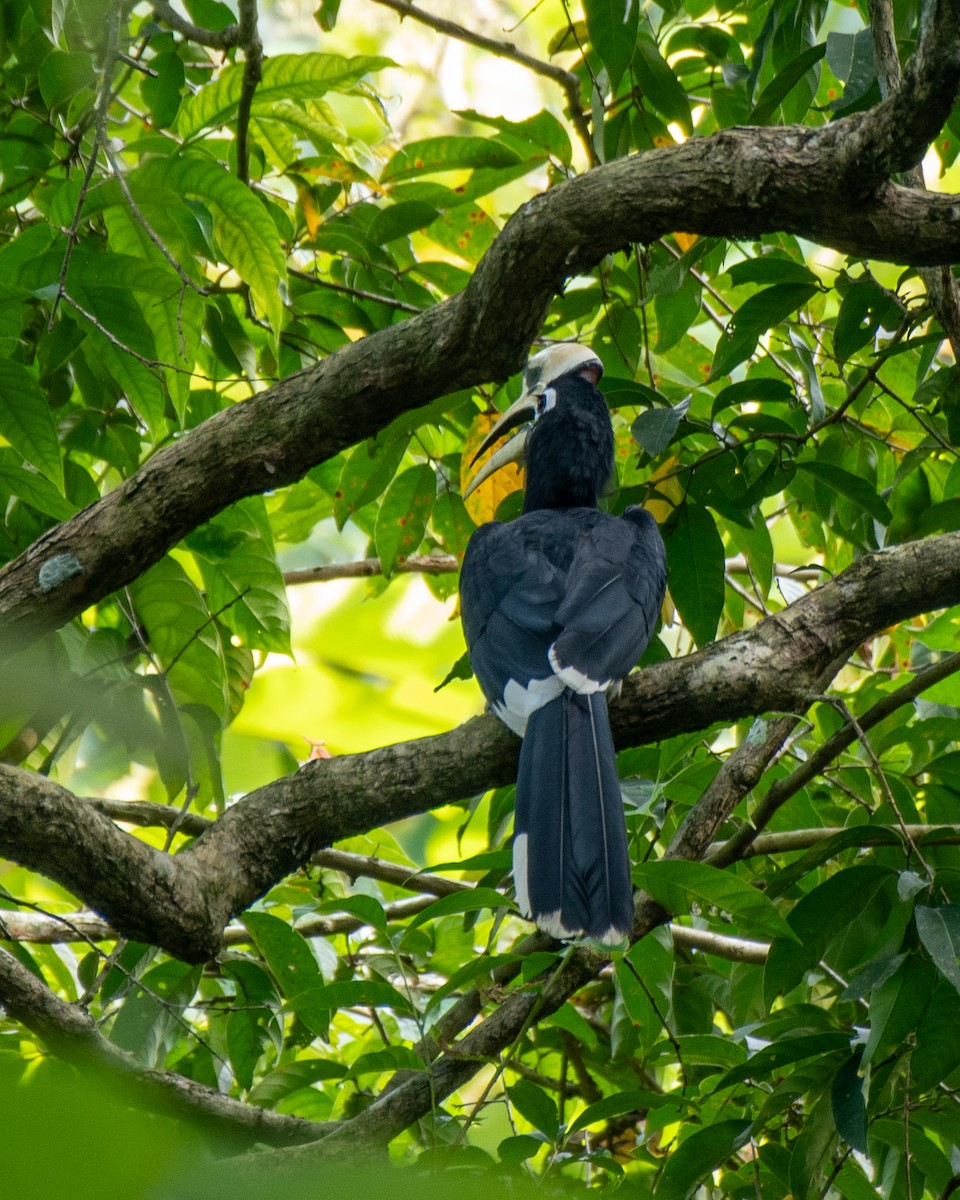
x=542, y=372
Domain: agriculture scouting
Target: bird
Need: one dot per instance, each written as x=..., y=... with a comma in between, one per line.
x=557, y=607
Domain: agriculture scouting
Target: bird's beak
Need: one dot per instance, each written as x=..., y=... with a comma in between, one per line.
x=524, y=409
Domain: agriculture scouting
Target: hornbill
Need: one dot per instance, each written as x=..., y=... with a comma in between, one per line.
x=558, y=605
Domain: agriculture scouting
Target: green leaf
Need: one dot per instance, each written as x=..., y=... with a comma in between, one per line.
x=146, y=1018
x=461, y=902
x=769, y=269
x=326, y=15
x=365, y=474
x=392, y=1058
x=816, y=920
x=535, y=1106
x=612, y=29
x=782, y=1053
x=286, y=953
x=654, y=429
x=861, y=313
x=244, y=228
x=315, y=1006
x=364, y=908
x=939, y=930
x=515, y=1150
x=695, y=557
x=32, y=489
x=755, y=316
x=609, y=1106
x=63, y=74
x=680, y=885
x=542, y=130
x=240, y=573
x=851, y=486
x=849, y=1105
x=285, y=77
x=161, y=92
x=698, y=1155
x=181, y=635
x=661, y=86
x=897, y=1006
x=468, y=231
x=753, y=390
x=431, y=155
x=27, y=422
x=403, y=514
x=785, y=81
x=400, y=220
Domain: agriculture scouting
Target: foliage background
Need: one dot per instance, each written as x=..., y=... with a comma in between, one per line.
x=177, y=237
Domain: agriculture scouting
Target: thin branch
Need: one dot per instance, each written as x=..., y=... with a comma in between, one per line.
x=356, y=293
x=432, y=564
x=720, y=945
x=443, y=564
x=100, y=115
x=566, y=79
x=213, y=39
x=249, y=40
x=356, y=865
x=781, y=791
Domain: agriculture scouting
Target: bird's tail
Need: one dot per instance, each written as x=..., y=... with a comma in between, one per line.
x=570, y=860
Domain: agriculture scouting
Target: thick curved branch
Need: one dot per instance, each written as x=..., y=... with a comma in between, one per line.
x=183, y=903
x=74, y=1036
x=739, y=182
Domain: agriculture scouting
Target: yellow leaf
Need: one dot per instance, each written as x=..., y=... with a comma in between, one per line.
x=308, y=203
x=485, y=501
x=685, y=240
x=668, y=489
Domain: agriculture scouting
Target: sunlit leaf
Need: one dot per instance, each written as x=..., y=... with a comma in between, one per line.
x=285, y=77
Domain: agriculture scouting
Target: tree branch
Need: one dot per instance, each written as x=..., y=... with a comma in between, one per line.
x=183, y=903
x=249, y=39
x=739, y=182
x=74, y=1035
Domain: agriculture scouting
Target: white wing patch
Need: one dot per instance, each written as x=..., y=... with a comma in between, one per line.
x=520, y=873
x=574, y=679
x=519, y=702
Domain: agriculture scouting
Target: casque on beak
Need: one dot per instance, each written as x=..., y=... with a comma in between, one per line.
x=541, y=372
x=524, y=409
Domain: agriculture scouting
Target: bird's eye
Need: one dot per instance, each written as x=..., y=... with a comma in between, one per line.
x=548, y=398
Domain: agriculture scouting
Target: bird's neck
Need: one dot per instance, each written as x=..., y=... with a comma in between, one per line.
x=570, y=452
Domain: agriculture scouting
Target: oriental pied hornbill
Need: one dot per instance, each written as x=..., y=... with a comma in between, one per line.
x=557, y=606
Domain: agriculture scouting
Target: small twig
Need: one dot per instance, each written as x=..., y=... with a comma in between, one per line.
x=213, y=39
x=356, y=865
x=566, y=79
x=356, y=293
x=432, y=564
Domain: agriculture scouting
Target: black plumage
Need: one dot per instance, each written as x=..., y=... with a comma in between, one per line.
x=557, y=606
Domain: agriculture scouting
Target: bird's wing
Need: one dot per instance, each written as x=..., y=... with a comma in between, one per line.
x=509, y=593
x=614, y=593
